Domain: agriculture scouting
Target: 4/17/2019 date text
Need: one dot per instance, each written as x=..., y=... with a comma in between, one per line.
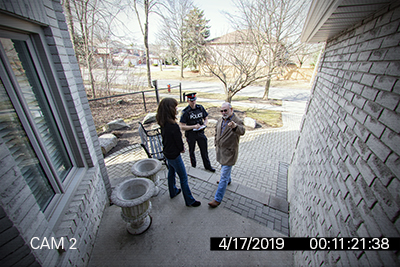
x=304, y=243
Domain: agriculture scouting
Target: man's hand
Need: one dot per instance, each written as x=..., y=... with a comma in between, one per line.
x=197, y=126
x=232, y=124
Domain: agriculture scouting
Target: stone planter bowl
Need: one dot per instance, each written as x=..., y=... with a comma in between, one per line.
x=133, y=196
x=148, y=168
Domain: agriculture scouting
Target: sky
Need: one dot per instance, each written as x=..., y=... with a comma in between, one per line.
x=212, y=11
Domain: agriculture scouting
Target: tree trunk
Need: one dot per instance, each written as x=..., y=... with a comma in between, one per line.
x=71, y=29
x=181, y=63
x=182, y=66
x=148, y=66
x=88, y=57
x=228, y=94
x=146, y=42
x=107, y=78
x=266, y=89
x=91, y=78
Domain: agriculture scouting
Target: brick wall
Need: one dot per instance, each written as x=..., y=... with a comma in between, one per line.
x=79, y=217
x=81, y=221
x=13, y=248
x=344, y=179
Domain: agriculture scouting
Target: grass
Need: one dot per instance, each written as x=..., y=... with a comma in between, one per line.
x=271, y=117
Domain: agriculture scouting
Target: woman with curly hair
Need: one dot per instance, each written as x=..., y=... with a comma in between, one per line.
x=173, y=147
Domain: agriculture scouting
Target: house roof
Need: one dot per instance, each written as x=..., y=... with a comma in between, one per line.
x=236, y=37
x=327, y=18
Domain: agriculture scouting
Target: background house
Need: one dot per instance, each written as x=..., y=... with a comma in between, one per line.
x=224, y=51
x=231, y=49
x=344, y=178
x=118, y=54
x=53, y=182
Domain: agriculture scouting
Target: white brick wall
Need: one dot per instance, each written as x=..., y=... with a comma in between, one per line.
x=344, y=179
x=20, y=216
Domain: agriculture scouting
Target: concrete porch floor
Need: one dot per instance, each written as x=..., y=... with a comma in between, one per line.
x=180, y=236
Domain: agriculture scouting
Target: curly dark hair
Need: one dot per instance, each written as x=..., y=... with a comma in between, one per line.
x=166, y=111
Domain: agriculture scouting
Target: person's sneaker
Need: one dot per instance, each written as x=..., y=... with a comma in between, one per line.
x=195, y=204
x=228, y=183
x=179, y=191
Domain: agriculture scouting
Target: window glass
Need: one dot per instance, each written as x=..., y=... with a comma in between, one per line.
x=41, y=115
x=15, y=138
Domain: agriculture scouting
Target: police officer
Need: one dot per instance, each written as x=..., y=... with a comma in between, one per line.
x=193, y=121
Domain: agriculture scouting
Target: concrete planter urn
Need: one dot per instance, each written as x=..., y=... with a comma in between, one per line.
x=148, y=168
x=133, y=196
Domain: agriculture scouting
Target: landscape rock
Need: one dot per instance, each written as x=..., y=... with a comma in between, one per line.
x=115, y=125
x=150, y=117
x=107, y=142
x=179, y=111
x=249, y=122
x=212, y=123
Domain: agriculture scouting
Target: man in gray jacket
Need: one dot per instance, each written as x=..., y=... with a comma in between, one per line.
x=228, y=131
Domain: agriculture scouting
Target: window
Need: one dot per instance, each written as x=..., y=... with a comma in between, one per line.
x=28, y=126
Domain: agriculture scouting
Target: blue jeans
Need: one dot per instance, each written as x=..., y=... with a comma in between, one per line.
x=177, y=166
x=223, y=182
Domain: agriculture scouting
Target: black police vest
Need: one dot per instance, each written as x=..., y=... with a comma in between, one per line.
x=194, y=116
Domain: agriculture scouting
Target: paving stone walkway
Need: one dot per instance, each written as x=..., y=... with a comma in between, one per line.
x=259, y=178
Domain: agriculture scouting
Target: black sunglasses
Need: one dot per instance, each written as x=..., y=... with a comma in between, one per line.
x=224, y=110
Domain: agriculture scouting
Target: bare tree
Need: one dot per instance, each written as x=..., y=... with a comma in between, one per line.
x=276, y=27
x=233, y=61
x=104, y=33
x=90, y=23
x=148, y=6
x=70, y=19
x=160, y=50
x=84, y=12
x=173, y=30
x=305, y=52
